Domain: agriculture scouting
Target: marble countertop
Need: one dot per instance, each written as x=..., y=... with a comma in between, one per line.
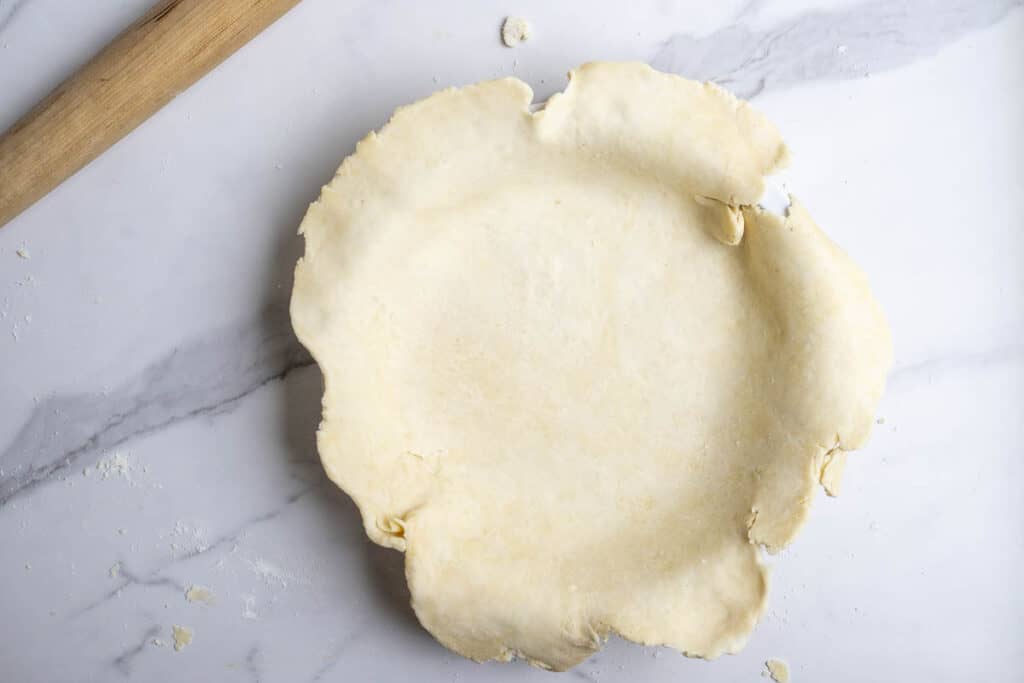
x=157, y=416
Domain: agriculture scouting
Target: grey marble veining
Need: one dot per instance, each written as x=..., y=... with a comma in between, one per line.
x=123, y=662
x=846, y=43
x=200, y=378
x=9, y=12
x=156, y=576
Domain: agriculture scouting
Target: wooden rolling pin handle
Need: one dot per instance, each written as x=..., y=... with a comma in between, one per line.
x=162, y=54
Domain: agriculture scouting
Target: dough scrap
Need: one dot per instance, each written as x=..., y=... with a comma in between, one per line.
x=182, y=637
x=514, y=30
x=778, y=670
x=572, y=370
x=200, y=594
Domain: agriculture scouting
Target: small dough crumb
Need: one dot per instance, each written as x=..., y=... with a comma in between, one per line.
x=199, y=594
x=23, y=252
x=514, y=30
x=115, y=570
x=158, y=642
x=778, y=670
x=182, y=637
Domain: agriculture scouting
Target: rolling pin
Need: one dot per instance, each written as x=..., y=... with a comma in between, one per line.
x=154, y=59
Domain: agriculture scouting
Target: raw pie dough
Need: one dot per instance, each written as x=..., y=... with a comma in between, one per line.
x=572, y=370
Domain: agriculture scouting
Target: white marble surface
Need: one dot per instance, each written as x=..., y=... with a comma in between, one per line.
x=157, y=416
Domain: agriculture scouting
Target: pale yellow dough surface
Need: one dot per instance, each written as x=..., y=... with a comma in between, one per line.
x=778, y=670
x=571, y=370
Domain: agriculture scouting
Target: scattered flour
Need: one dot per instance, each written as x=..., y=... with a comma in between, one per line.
x=115, y=464
x=158, y=642
x=514, y=30
x=191, y=539
x=272, y=574
x=249, y=607
x=182, y=637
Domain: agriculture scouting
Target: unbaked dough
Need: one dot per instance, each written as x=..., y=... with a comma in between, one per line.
x=182, y=637
x=778, y=670
x=572, y=369
x=514, y=30
x=199, y=594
